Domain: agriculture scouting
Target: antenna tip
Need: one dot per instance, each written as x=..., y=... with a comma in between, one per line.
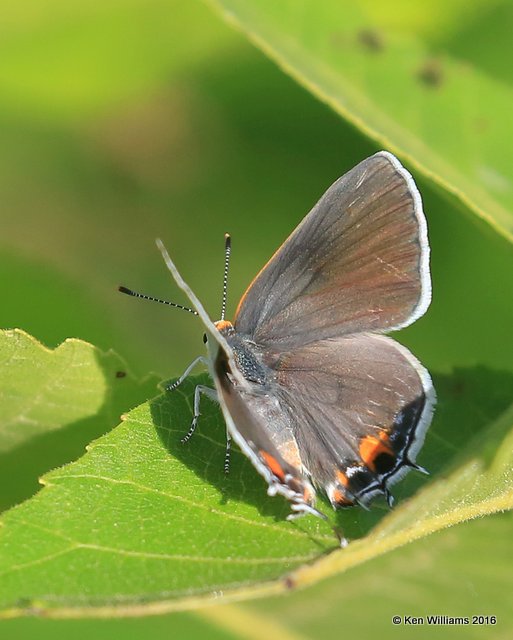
x=125, y=290
x=227, y=239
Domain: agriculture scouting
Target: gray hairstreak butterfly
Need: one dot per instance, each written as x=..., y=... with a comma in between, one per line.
x=312, y=391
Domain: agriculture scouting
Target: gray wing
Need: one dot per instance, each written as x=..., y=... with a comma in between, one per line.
x=263, y=431
x=359, y=408
x=359, y=261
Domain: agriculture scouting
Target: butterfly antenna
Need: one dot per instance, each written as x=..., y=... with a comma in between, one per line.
x=129, y=292
x=227, y=252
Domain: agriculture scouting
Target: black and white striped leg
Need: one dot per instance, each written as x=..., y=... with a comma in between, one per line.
x=206, y=391
x=178, y=382
x=227, y=453
x=388, y=497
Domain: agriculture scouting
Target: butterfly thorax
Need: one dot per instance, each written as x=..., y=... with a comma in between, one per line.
x=247, y=355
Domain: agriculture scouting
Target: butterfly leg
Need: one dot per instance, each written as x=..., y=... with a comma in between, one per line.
x=227, y=452
x=206, y=391
x=173, y=385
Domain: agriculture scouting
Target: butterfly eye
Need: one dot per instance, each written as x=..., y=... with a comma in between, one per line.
x=205, y=338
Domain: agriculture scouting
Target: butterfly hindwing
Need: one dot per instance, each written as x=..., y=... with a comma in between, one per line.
x=359, y=406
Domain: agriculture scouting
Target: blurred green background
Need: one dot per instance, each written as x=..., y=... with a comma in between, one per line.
x=138, y=121
x=129, y=121
x=125, y=121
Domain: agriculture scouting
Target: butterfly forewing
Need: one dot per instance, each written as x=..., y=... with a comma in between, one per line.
x=357, y=262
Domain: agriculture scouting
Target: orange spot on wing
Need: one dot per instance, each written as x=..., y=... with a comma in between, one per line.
x=338, y=497
x=371, y=447
x=273, y=465
x=342, y=478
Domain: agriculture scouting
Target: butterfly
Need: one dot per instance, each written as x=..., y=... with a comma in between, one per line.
x=311, y=389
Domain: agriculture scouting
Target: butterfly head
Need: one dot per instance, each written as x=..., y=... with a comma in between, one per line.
x=225, y=327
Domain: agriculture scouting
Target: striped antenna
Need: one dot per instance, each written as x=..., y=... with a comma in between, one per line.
x=129, y=292
x=227, y=252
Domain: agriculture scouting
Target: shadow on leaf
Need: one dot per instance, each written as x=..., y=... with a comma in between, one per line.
x=469, y=400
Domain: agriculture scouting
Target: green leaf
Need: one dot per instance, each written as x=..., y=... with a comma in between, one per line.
x=446, y=118
x=463, y=571
x=143, y=524
x=39, y=300
x=176, y=625
x=142, y=519
x=436, y=575
x=53, y=403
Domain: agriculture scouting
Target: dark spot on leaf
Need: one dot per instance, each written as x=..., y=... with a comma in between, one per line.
x=23, y=603
x=430, y=73
x=290, y=583
x=30, y=607
x=371, y=40
x=120, y=374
